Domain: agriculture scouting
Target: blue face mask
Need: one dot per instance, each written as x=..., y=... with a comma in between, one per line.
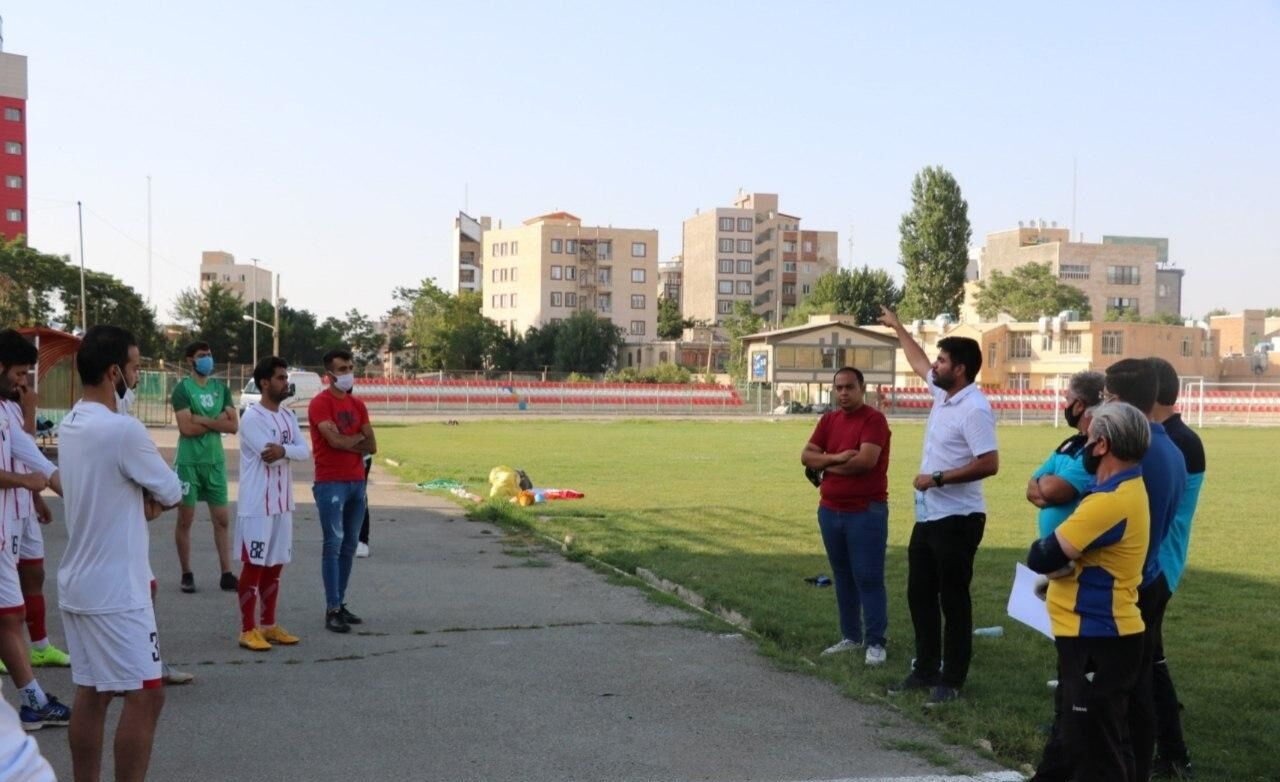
x=204, y=365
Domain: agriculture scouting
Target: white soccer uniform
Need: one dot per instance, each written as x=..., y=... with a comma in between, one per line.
x=104, y=587
x=17, y=448
x=20, y=759
x=30, y=538
x=264, y=507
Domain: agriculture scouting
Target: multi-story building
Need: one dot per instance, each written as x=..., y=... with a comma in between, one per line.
x=669, y=279
x=468, y=244
x=552, y=266
x=13, y=135
x=751, y=252
x=247, y=281
x=1123, y=274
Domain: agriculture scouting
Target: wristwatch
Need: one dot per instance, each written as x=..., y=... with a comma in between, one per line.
x=937, y=478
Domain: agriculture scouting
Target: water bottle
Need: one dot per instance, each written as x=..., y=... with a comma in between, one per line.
x=922, y=512
x=989, y=632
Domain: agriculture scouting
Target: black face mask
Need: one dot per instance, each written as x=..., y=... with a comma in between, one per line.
x=1073, y=418
x=1091, y=462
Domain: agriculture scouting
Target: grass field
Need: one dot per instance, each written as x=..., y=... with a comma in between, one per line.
x=722, y=507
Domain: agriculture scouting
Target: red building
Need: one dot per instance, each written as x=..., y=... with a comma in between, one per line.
x=13, y=140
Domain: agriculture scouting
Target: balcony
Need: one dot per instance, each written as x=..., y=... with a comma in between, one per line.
x=789, y=299
x=764, y=257
x=765, y=277
x=765, y=236
x=789, y=277
x=764, y=298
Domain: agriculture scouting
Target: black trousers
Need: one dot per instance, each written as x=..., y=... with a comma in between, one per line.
x=1152, y=601
x=1170, y=743
x=364, y=528
x=939, y=571
x=1095, y=708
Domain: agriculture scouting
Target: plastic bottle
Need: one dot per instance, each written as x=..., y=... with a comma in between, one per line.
x=989, y=632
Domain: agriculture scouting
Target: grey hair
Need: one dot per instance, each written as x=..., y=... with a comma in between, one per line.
x=1088, y=386
x=1124, y=427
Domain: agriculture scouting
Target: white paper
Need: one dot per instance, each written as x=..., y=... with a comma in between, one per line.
x=1024, y=605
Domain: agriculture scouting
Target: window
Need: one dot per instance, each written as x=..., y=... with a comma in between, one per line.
x=805, y=289
x=571, y=272
x=1046, y=342
x=502, y=300
x=514, y=272
x=744, y=225
x=726, y=223
x=1071, y=345
x=744, y=267
x=502, y=248
x=788, y=266
x=515, y=248
x=788, y=247
x=744, y=287
x=1112, y=343
x=502, y=274
x=726, y=245
x=468, y=257
x=1162, y=290
x=557, y=321
x=13, y=181
x=493, y=301
x=467, y=275
x=12, y=114
x=638, y=249
x=808, y=245
x=493, y=275
x=557, y=299
x=808, y=268
x=1019, y=346
x=604, y=302
x=557, y=272
x=744, y=246
x=724, y=307
x=726, y=286
x=13, y=147
x=637, y=275
x=604, y=250
x=1122, y=275
x=513, y=300
x=1019, y=381
x=1073, y=271
x=604, y=276
x=637, y=301
x=788, y=289
x=557, y=245
x=571, y=299
x=726, y=266
x=1123, y=305
x=571, y=245
x=993, y=353
x=637, y=327
x=1186, y=347
x=1206, y=347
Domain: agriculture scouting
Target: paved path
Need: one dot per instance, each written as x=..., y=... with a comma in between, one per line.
x=477, y=665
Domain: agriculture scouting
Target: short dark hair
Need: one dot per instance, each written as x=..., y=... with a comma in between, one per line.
x=1166, y=381
x=856, y=373
x=963, y=350
x=103, y=347
x=266, y=368
x=1134, y=381
x=195, y=347
x=16, y=349
x=334, y=354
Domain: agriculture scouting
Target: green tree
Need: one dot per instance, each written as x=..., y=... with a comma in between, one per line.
x=671, y=324
x=857, y=292
x=586, y=343
x=214, y=315
x=1272, y=312
x=1029, y=292
x=1215, y=312
x=742, y=322
x=934, y=246
x=449, y=330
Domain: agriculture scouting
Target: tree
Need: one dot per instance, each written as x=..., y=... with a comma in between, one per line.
x=934, y=246
x=448, y=329
x=1216, y=311
x=740, y=323
x=214, y=315
x=1272, y=312
x=856, y=292
x=586, y=343
x=671, y=324
x=1029, y=292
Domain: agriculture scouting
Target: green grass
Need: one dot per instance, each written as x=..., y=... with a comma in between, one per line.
x=722, y=508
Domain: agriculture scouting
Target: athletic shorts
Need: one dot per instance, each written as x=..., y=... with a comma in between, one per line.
x=265, y=540
x=30, y=540
x=113, y=652
x=203, y=483
x=11, y=599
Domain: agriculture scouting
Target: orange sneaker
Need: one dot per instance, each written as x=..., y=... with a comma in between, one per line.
x=278, y=635
x=254, y=642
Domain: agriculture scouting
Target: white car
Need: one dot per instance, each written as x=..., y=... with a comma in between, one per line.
x=304, y=385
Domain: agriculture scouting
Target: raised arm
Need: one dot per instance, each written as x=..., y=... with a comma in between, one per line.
x=915, y=354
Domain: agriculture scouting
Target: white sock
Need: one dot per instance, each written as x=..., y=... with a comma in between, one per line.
x=33, y=695
x=42, y=643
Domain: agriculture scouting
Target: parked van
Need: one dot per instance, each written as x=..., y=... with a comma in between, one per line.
x=305, y=386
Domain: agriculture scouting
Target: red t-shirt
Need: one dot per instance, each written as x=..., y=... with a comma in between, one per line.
x=349, y=415
x=840, y=431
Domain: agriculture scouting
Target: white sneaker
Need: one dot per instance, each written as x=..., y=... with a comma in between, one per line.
x=362, y=550
x=876, y=655
x=845, y=645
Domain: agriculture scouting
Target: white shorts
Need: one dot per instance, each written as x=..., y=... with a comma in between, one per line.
x=265, y=540
x=31, y=541
x=11, y=599
x=113, y=652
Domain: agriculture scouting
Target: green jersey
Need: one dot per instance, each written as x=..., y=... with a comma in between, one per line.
x=209, y=401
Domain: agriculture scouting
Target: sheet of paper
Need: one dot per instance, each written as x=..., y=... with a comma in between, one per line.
x=1024, y=606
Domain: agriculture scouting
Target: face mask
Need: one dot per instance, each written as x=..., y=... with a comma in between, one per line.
x=125, y=403
x=204, y=365
x=1091, y=462
x=345, y=382
x=122, y=387
x=1073, y=418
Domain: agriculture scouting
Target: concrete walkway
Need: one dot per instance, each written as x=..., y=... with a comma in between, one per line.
x=474, y=664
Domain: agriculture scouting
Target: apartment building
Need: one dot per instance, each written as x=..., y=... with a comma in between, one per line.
x=670, y=279
x=13, y=135
x=1125, y=274
x=468, y=253
x=246, y=280
x=552, y=266
x=751, y=252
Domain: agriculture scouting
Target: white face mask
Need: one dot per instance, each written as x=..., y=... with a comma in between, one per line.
x=345, y=382
x=125, y=404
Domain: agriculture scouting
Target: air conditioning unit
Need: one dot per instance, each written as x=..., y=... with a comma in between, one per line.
x=1044, y=324
x=942, y=321
x=1069, y=315
x=916, y=325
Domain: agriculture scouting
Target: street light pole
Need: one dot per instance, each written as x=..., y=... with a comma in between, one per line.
x=255, y=313
x=275, y=330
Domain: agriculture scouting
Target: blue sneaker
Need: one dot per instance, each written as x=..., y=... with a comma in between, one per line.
x=53, y=713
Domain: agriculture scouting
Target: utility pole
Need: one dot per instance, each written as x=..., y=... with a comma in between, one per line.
x=84, y=323
x=275, y=331
x=255, y=312
x=149, y=254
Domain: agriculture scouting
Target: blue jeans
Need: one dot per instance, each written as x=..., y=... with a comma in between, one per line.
x=855, y=544
x=341, y=506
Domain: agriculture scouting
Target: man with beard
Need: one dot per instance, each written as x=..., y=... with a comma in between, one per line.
x=959, y=452
x=269, y=440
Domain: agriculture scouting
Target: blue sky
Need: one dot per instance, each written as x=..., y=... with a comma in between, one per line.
x=335, y=141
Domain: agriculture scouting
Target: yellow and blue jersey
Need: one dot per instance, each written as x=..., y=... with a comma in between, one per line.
x=1112, y=527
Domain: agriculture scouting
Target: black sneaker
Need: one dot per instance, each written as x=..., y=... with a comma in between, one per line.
x=941, y=694
x=333, y=621
x=188, y=583
x=1171, y=769
x=914, y=681
x=229, y=582
x=348, y=617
